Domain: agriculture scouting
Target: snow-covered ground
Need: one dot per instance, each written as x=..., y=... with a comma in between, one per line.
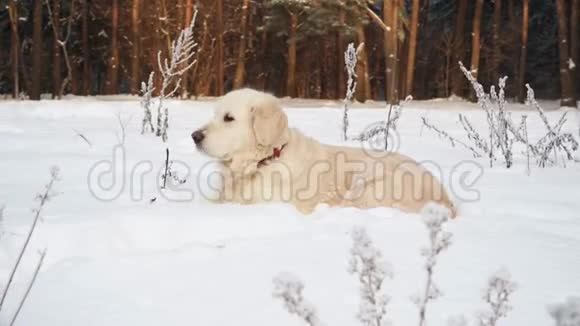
x=186, y=261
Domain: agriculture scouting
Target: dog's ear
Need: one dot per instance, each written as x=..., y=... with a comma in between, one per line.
x=269, y=122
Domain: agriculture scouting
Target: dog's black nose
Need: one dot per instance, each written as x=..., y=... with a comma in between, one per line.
x=198, y=136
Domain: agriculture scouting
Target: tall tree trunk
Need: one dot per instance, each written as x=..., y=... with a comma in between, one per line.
x=164, y=26
x=340, y=44
x=574, y=46
x=496, y=60
x=263, y=78
x=187, y=18
x=363, y=89
x=56, y=60
x=291, y=75
x=566, y=81
x=390, y=18
x=327, y=65
x=220, y=47
x=394, y=82
x=412, y=48
x=85, y=47
x=135, y=68
x=523, y=53
x=476, y=43
x=199, y=71
x=420, y=88
x=511, y=9
x=113, y=71
x=457, y=79
x=36, y=51
x=241, y=64
x=157, y=46
x=387, y=19
x=15, y=48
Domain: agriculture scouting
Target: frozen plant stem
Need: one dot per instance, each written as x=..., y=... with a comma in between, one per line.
x=42, y=198
x=166, y=167
x=525, y=124
x=182, y=51
x=434, y=217
x=350, y=60
x=367, y=264
x=503, y=133
x=384, y=128
x=443, y=134
x=147, y=90
x=497, y=295
x=83, y=138
x=388, y=127
x=122, y=128
x=289, y=289
x=30, y=284
x=567, y=313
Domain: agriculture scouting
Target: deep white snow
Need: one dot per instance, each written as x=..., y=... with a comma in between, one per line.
x=182, y=261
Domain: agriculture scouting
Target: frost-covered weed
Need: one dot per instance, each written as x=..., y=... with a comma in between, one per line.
x=503, y=133
x=567, y=313
x=289, y=288
x=367, y=264
x=350, y=60
x=497, y=295
x=434, y=217
x=172, y=69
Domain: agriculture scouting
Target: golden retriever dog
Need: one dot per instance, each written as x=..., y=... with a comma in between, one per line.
x=263, y=160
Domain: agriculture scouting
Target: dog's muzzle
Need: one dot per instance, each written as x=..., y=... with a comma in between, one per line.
x=198, y=136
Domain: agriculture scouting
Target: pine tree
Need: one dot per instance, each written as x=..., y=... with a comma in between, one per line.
x=300, y=20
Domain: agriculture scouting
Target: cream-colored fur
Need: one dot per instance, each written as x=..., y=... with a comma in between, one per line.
x=307, y=172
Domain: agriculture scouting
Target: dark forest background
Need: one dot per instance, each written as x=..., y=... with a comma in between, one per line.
x=292, y=47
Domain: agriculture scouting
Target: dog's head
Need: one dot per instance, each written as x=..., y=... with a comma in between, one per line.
x=246, y=123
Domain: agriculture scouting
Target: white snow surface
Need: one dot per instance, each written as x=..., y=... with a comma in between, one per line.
x=193, y=262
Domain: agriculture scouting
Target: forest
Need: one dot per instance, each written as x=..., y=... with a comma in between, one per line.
x=292, y=47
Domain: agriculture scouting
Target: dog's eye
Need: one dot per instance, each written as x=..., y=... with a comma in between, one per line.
x=228, y=118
